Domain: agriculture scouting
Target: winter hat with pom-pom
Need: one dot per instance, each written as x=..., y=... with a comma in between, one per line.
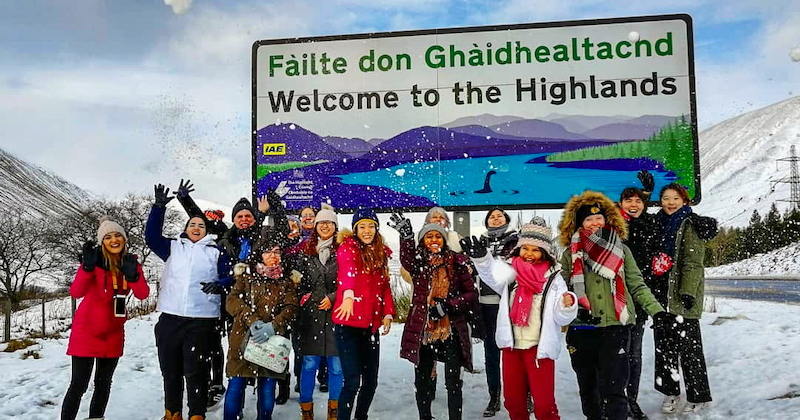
x=536, y=233
x=326, y=215
x=108, y=226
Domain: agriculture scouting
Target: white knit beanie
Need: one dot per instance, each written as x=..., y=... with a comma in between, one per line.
x=107, y=226
x=326, y=215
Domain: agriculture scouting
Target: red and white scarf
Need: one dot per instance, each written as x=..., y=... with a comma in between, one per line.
x=530, y=281
x=603, y=252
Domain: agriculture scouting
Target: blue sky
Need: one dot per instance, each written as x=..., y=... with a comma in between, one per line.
x=117, y=95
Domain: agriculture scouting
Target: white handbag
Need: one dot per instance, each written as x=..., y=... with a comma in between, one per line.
x=273, y=355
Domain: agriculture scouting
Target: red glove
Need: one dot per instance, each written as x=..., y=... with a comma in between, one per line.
x=661, y=263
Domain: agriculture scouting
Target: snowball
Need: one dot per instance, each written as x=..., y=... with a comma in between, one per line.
x=633, y=36
x=400, y=172
x=658, y=380
x=795, y=54
x=679, y=319
x=291, y=126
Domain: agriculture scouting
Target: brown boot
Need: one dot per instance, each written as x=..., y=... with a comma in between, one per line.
x=333, y=410
x=172, y=416
x=307, y=411
x=197, y=417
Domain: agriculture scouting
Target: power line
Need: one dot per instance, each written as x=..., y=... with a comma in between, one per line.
x=793, y=179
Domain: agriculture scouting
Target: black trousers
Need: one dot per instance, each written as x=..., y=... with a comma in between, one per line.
x=635, y=359
x=184, y=352
x=490, y=349
x=217, y=357
x=81, y=373
x=680, y=343
x=599, y=358
x=448, y=352
x=359, y=352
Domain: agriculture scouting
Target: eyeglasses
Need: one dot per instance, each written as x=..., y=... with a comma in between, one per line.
x=326, y=223
x=274, y=251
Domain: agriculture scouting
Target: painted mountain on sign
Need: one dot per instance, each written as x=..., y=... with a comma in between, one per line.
x=536, y=128
x=301, y=145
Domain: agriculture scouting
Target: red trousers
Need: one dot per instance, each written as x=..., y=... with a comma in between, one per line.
x=522, y=375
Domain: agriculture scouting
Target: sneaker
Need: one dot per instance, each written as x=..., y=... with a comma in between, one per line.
x=215, y=393
x=691, y=407
x=670, y=404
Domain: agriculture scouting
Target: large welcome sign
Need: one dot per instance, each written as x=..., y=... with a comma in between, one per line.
x=521, y=116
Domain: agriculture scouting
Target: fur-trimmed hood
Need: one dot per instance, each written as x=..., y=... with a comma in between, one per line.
x=343, y=235
x=568, y=226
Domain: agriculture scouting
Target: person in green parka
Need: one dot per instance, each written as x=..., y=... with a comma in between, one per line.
x=679, y=287
x=602, y=272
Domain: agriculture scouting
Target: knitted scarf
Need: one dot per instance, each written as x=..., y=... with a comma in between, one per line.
x=324, y=250
x=440, y=284
x=271, y=272
x=603, y=252
x=671, y=223
x=531, y=281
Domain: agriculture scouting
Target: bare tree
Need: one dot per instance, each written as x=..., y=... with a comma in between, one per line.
x=25, y=254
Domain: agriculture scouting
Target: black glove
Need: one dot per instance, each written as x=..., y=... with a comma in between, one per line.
x=401, y=224
x=474, y=248
x=661, y=321
x=439, y=310
x=688, y=301
x=585, y=316
x=274, y=201
x=129, y=268
x=212, y=288
x=162, y=195
x=646, y=178
x=89, y=257
x=184, y=189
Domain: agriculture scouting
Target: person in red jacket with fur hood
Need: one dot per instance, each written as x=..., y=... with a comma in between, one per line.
x=364, y=299
x=107, y=275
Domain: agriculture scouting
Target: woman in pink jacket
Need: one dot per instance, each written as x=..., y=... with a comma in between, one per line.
x=366, y=304
x=107, y=275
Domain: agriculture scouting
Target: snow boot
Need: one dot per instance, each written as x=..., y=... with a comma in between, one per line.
x=307, y=411
x=197, y=417
x=215, y=394
x=283, y=391
x=635, y=412
x=691, y=408
x=333, y=409
x=323, y=387
x=172, y=416
x=493, y=407
x=670, y=404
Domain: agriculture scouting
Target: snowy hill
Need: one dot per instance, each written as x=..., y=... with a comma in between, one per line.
x=738, y=161
x=38, y=189
x=780, y=262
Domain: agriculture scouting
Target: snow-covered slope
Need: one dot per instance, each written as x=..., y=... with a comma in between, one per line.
x=780, y=262
x=749, y=348
x=38, y=190
x=738, y=161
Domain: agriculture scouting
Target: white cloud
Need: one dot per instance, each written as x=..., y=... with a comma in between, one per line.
x=179, y=7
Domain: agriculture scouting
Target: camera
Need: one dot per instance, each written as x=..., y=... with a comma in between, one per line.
x=119, y=306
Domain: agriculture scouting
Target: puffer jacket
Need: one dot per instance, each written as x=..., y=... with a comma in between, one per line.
x=372, y=293
x=96, y=332
x=643, y=243
x=255, y=297
x=461, y=296
x=598, y=288
x=501, y=276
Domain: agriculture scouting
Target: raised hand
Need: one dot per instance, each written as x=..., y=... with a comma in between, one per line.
x=162, y=195
x=646, y=178
x=474, y=248
x=401, y=224
x=89, y=256
x=185, y=189
x=129, y=268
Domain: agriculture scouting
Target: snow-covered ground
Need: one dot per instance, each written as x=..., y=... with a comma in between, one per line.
x=752, y=361
x=780, y=262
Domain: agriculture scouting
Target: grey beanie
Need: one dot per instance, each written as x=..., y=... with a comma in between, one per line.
x=432, y=227
x=439, y=210
x=107, y=226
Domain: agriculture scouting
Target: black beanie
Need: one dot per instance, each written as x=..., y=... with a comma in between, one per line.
x=587, y=210
x=489, y=213
x=242, y=204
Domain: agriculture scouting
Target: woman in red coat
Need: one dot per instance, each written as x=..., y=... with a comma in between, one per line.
x=107, y=275
x=364, y=300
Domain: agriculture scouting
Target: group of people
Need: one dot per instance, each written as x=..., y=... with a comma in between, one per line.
x=329, y=290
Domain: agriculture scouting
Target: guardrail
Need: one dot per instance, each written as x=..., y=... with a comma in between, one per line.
x=775, y=277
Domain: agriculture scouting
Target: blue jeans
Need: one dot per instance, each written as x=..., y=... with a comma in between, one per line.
x=234, y=398
x=307, y=383
x=359, y=353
